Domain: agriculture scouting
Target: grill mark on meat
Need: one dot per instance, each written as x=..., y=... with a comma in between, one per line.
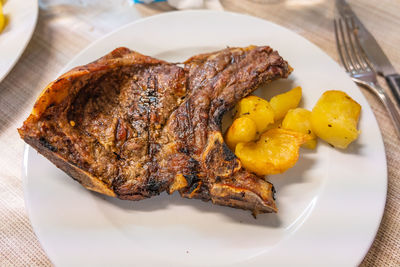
x=139, y=126
x=190, y=128
x=151, y=184
x=47, y=145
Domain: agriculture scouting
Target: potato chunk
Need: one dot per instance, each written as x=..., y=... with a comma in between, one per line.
x=299, y=120
x=334, y=118
x=2, y=18
x=276, y=151
x=276, y=124
x=242, y=129
x=283, y=102
x=257, y=109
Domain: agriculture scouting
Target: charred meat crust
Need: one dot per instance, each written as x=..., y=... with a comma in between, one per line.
x=132, y=126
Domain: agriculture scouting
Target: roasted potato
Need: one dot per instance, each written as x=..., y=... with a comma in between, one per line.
x=257, y=109
x=299, y=120
x=283, y=102
x=2, y=18
x=276, y=151
x=242, y=129
x=334, y=118
x=276, y=124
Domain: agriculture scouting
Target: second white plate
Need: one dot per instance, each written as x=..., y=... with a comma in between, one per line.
x=22, y=16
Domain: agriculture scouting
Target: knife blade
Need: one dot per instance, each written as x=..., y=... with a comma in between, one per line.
x=372, y=49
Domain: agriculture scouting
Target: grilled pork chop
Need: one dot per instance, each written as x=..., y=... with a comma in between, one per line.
x=132, y=126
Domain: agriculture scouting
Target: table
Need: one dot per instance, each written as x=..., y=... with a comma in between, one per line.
x=62, y=31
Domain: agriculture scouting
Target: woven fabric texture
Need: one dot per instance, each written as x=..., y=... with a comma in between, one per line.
x=56, y=41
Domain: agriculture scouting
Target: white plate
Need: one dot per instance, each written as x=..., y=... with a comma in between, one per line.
x=330, y=203
x=22, y=16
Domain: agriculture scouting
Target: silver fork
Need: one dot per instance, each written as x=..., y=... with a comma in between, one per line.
x=357, y=65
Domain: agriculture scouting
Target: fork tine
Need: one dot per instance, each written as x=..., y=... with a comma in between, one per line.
x=359, y=50
x=350, y=32
x=346, y=48
x=339, y=46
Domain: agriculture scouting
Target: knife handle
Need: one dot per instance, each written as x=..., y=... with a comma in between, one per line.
x=393, y=81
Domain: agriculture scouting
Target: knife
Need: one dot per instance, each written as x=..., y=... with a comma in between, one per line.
x=372, y=49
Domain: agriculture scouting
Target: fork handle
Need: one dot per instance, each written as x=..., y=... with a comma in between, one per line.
x=393, y=81
x=391, y=109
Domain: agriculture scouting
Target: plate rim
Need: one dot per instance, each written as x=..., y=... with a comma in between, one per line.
x=166, y=14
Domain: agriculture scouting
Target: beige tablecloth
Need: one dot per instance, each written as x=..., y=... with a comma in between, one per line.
x=62, y=31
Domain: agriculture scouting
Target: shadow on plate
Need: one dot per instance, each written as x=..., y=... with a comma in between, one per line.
x=293, y=175
x=165, y=202
x=353, y=148
x=274, y=88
